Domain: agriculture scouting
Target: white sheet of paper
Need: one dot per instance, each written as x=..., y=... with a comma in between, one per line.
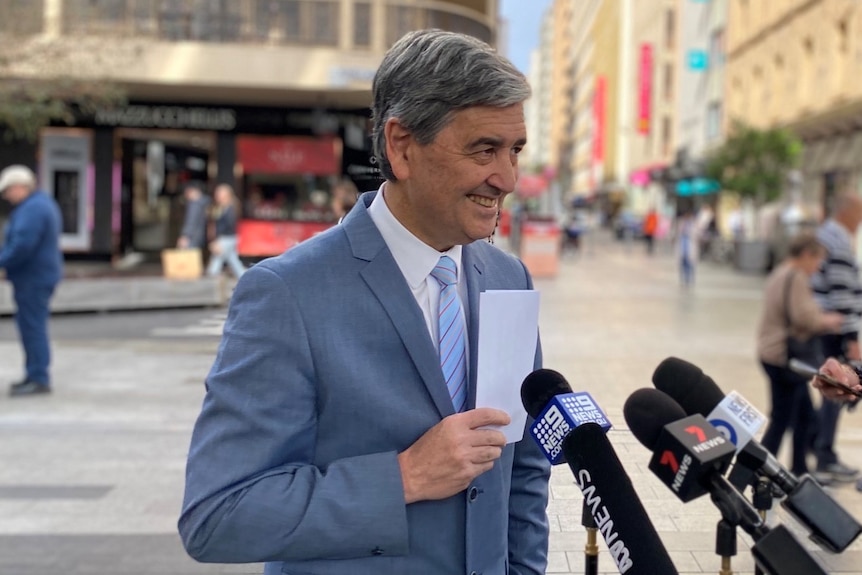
x=508, y=331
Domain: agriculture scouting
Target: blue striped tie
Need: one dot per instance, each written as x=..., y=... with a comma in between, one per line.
x=450, y=333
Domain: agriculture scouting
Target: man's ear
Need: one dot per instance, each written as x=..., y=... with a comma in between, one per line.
x=399, y=142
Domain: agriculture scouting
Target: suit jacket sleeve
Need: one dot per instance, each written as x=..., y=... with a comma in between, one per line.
x=528, y=501
x=253, y=492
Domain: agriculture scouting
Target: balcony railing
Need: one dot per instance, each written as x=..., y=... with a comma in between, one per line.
x=305, y=22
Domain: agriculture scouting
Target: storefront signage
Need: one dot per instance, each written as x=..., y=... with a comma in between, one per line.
x=289, y=155
x=698, y=60
x=172, y=117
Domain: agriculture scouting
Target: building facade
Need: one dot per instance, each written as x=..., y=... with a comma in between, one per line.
x=652, y=80
x=271, y=97
x=796, y=64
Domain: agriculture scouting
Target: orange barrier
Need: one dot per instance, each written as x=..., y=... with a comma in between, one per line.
x=540, y=248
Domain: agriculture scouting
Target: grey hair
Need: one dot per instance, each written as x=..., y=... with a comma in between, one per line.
x=428, y=75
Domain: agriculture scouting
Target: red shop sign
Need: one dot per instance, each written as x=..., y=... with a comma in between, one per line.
x=293, y=155
x=271, y=238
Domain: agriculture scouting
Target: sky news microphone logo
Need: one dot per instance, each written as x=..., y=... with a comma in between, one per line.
x=562, y=414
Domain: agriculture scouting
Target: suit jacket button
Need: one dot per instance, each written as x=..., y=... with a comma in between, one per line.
x=473, y=494
x=473, y=573
x=377, y=551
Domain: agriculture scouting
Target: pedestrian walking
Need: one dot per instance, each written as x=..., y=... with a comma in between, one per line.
x=789, y=311
x=687, y=248
x=650, y=228
x=837, y=287
x=339, y=432
x=344, y=196
x=223, y=247
x=33, y=262
x=194, y=231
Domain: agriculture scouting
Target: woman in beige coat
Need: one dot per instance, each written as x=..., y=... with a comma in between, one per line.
x=788, y=300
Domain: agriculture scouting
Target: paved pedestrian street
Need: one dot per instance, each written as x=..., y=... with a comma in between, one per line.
x=91, y=477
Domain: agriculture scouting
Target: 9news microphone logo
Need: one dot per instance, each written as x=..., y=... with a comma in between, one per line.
x=562, y=414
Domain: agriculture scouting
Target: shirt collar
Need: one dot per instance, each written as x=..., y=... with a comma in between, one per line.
x=414, y=257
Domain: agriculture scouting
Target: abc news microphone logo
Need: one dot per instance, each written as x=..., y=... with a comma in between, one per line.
x=562, y=414
x=688, y=450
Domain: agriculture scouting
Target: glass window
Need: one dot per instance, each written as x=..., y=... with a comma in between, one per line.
x=713, y=121
x=325, y=18
x=362, y=25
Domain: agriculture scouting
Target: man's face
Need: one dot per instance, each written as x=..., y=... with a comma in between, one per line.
x=15, y=194
x=454, y=186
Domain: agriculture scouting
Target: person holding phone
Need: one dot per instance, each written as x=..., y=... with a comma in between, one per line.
x=841, y=383
x=838, y=287
x=790, y=310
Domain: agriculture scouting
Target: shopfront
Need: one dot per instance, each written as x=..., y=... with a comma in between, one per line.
x=118, y=175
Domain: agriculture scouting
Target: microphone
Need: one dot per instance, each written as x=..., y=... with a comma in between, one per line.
x=831, y=526
x=557, y=410
x=661, y=425
x=687, y=451
x=608, y=492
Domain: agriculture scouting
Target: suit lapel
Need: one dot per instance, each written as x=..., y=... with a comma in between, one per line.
x=388, y=285
x=474, y=274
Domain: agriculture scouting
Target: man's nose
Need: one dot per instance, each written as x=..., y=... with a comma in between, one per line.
x=505, y=174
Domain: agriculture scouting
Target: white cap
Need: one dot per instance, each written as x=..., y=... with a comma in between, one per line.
x=17, y=175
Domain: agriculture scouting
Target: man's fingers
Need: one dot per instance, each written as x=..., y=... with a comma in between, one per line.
x=482, y=416
x=486, y=455
x=487, y=437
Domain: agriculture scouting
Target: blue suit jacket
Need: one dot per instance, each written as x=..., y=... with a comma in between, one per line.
x=31, y=251
x=326, y=371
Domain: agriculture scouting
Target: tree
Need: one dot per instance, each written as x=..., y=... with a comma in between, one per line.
x=755, y=163
x=47, y=78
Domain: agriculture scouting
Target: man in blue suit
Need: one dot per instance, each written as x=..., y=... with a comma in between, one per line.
x=33, y=262
x=339, y=433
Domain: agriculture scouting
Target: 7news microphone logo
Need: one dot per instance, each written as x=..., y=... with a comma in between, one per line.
x=562, y=414
x=686, y=451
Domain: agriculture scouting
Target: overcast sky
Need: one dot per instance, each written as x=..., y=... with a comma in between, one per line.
x=524, y=18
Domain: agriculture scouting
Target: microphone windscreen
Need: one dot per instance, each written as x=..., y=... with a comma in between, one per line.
x=647, y=411
x=540, y=387
x=613, y=502
x=686, y=383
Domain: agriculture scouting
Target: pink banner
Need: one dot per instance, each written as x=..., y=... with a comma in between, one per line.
x=599, y=120
x=645, y=89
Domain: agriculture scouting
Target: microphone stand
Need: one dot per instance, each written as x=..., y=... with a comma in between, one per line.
x=762, y=500
x=725, y=545
x=591, y=548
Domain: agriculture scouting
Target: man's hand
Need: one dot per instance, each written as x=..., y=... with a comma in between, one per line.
x=852, y=351
x=183, y=242
x=840, y=372
x=452, y=454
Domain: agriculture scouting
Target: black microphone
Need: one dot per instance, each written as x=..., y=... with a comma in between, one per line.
x=662, y=426
x=556, y=410
x=696, y=392
x=608, y=492
x=831, y=526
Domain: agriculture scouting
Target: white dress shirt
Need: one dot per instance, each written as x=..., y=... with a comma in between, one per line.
x=416, y=260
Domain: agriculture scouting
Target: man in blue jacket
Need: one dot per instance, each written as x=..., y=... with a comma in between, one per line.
x=340, y=433
x=33, y=262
